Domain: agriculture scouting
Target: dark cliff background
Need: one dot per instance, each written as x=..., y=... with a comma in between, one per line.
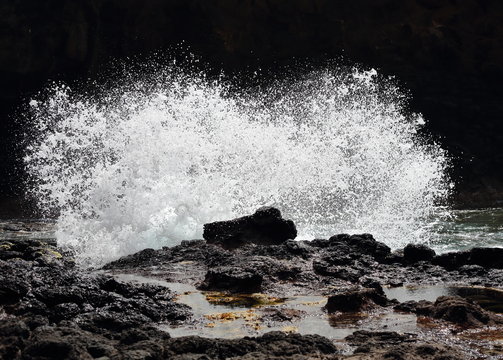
x=448, y=53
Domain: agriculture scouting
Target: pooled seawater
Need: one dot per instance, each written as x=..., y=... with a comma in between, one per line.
x=217, y=315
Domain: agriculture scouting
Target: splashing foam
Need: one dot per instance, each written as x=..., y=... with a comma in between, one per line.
x=148, y=164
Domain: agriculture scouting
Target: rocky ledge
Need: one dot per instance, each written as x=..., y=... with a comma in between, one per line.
x=51, y=309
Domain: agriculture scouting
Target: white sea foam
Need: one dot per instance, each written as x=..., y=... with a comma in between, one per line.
x=147, y=164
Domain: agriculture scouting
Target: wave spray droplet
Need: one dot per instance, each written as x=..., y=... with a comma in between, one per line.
x=149, y=163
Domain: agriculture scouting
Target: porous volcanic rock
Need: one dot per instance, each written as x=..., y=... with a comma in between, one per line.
x=264, y=227
x=232, y=278
x=356, y=299
x=391, y=345
x=490, y=258
x=454, y=309
x=418, y=252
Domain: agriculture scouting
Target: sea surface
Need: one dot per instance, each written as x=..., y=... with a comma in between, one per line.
x=462, y=230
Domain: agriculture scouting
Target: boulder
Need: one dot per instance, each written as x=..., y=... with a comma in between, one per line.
x=482, y=256
x=356, y=299
x=451, y=260
x=235, y=279
x=265, y=227
x=463, y=312
x=487, y=257
x=454, y=309
x=413, y=253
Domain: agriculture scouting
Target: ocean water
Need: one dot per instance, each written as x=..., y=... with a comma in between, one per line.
x=464, y=229
x=147, y=163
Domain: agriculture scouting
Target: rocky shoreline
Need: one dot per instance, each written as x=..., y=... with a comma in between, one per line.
x=52, y=309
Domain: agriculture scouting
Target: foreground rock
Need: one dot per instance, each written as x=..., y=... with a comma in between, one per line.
x=414, y=253
x=454, y=309
x=264, y=227
x=354, y=300
x=52, y=309
x=485, y=257
x=19, y=341
x=391, y=345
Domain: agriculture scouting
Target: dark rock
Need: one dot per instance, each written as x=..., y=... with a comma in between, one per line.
x=264, y=227
x=454, y=309
x=11, y=289
x=298, y=248
x=13, y=337
x=452, y=260
x=64, y=311
x=51, y=295
x=356, y=299
x=136, y=335
x=104, y=321
x=361, y=337
x=413, y=253
x=232, y=278
x=371, y=283
x=66, y=343
x=395, y=283
x=289, y=250
x=340, y=272
x=273, y=345
x=363, y=244
x=463, y=312
x=421, y=307
x=472, y=270
x=281, y=314
x=391, y=345
x=487, y=257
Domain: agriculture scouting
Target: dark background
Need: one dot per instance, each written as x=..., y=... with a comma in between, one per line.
x=448, y=53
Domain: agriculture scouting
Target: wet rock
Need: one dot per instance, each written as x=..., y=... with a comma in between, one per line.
x=463, y=312
x=11, y=290
x=391, y=345
x=361, y=337
x=135, y=335
x=13, y=337
x=111, y=322
x=281, y=314
x=232, y=278
x=13, y=282
x=472, y=270
x=345, y=273
x=452, y=260
x=363, y=244
x=454, y=309
x=67, y=343
x=289, y=250
x=421, y=307
x=356, y=299
x=273, y=345
x=487, y=257
x=413, y=253
x=369, y=282
x=264, y=227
